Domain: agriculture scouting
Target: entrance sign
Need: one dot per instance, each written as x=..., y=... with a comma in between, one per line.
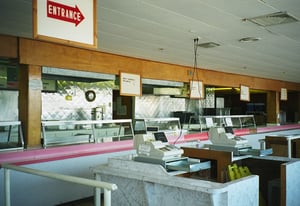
x=64, y=13
x=66, y=21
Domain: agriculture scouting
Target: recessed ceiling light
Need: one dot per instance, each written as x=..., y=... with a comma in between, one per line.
x=208, y=45
x=192, y=31
x=272, y=19
x=249, y=39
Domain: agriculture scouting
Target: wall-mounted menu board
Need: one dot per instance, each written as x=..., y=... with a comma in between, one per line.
x=244, y=93
x=196, y=90
x=130, y=84
x=66, y=21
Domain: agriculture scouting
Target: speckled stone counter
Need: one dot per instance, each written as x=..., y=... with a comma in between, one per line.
x=151, y=185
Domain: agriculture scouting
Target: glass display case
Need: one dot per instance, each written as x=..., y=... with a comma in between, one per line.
x=11, y=136
x=201, y=123
x=171, y=126
x=86, y=131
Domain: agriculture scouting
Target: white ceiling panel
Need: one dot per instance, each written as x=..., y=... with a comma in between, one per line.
x=164, y=30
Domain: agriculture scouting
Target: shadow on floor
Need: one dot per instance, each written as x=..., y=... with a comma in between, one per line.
x=82, y=202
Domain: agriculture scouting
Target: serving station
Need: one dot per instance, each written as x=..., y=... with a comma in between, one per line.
x=201, y=123
x=85, y=131
x=11, y=135
x=171, y=126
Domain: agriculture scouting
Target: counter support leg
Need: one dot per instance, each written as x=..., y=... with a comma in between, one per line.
x=7, y=187
x=107, y=197
x=97, y=195
x=289, y=148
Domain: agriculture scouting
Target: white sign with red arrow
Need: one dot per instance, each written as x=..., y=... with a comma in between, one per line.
x=66, y=20
x=64, y=13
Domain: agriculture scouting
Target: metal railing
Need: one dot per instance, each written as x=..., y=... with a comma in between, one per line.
x=108, y=187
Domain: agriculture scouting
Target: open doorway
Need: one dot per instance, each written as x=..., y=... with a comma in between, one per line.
x=122, y=106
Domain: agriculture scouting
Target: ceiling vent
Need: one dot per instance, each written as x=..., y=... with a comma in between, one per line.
x=272, y=19
x=167, y=91
x=165, y=83
x=249, y=39
x=208, y=45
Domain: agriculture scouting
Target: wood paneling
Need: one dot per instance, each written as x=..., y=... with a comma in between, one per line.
x=55, y=55
x=30, y=104
x=41, y=53
x=9, y=46
x=272, y=107
x=220, y=159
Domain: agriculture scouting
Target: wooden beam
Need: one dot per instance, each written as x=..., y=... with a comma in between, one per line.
x=30, y=104
x=9, y=46
x=33, y=52
x=272, y=107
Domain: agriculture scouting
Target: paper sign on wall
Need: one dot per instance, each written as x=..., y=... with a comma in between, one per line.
x=130, y=84
x=196, y=90
x=244, y=93
x=283, y=94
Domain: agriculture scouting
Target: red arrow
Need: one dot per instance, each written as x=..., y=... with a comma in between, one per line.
x=64, y=13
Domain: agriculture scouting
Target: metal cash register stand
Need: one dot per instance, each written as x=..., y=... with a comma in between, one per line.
x=224, y=149
x=223, y=139
x=154, y=148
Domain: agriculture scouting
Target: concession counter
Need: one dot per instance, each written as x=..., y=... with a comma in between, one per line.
x=142, y=183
